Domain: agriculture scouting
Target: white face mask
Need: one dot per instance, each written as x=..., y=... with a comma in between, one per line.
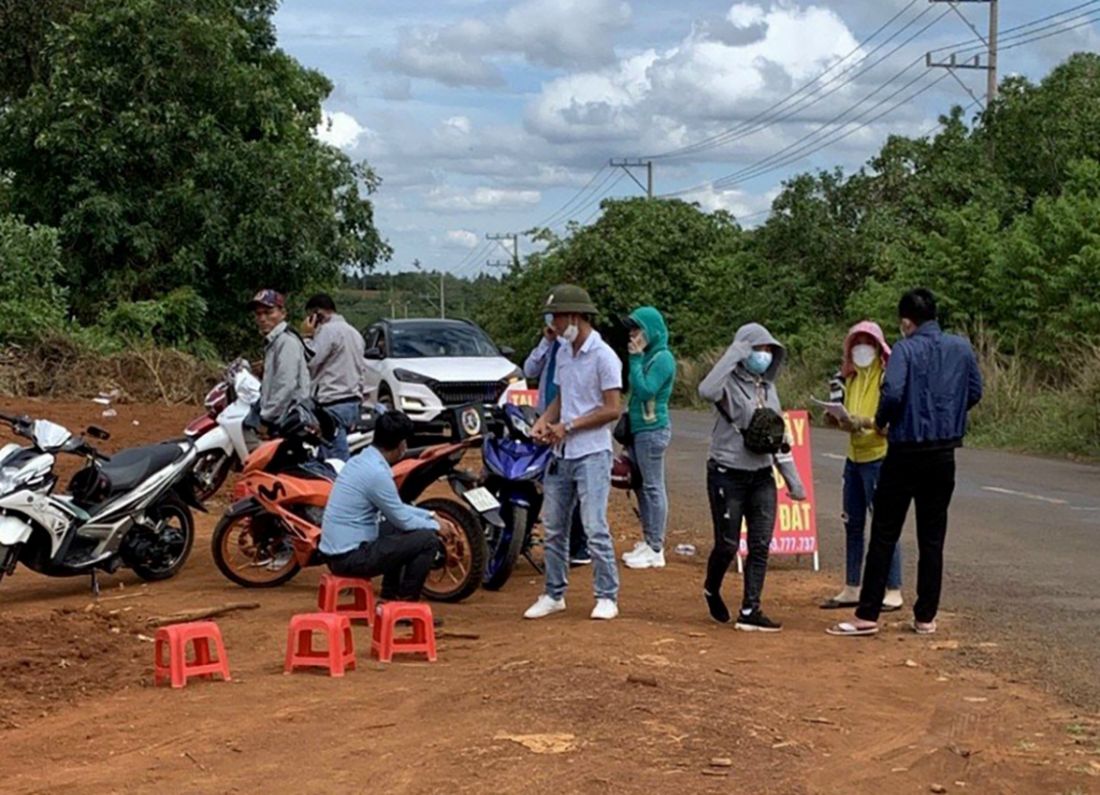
x=571, y=333
x=864, y=355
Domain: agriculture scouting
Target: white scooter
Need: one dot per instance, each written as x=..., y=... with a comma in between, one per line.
x=128, y=509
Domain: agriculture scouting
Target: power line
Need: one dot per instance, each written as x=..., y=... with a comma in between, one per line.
x=803, y=106
x=717, y=139
x=813, y=147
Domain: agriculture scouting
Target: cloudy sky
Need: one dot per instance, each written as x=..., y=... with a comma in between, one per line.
x=499, y=115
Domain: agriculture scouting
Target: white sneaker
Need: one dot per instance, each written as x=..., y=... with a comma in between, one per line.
x=637, y=548
x=605, y=609
x=646, y=558
x=544, y=606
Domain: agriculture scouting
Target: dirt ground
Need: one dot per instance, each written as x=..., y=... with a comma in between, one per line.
x=643, y=704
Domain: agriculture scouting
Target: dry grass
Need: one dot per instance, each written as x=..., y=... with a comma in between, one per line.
x=61, y=368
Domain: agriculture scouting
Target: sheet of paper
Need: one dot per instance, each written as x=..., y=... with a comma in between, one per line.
x=833, y=409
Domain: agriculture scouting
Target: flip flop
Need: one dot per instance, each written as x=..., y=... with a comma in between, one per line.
x=848, y=629
x=833, y=604
x=890, y=608
x=929, y=629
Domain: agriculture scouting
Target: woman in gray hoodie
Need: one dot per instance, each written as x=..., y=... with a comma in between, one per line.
x=740, y=482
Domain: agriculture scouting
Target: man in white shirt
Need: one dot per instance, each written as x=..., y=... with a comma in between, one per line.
x=578, y=423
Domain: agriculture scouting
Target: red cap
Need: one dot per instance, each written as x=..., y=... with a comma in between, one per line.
x=268, y=298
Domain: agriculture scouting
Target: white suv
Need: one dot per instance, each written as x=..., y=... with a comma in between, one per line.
x=425, y=366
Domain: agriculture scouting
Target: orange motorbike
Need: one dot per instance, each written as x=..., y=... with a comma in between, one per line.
x=273, y=529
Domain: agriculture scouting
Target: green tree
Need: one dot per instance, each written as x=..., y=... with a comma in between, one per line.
x=171, y=144
x=666, y=253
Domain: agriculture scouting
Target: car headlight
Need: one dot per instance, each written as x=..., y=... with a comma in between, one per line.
x=515, y=377
x=409, y=377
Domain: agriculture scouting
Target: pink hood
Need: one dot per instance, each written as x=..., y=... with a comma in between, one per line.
x=847, y=369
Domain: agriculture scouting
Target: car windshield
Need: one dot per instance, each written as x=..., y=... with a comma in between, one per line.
x=421, y=341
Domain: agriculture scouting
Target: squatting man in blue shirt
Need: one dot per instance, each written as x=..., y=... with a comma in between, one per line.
x=368, y=531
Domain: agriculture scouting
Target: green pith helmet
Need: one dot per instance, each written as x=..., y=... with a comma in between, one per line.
x=569, y=299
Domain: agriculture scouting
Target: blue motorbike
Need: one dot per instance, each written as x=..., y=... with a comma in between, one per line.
x=514, y=468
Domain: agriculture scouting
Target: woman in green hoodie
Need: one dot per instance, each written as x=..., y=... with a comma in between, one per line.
x=652, y=374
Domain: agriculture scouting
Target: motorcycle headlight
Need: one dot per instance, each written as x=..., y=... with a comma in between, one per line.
x=409, y=377
x=7, y=480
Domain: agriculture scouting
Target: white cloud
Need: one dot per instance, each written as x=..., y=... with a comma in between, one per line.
x=703, y=78
x=481, y=198
x=340, y=129
x=744, y=15
x=554, y=33
x=741, y=204
x=463, y=238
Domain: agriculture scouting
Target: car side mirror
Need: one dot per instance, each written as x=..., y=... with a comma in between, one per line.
x=373, y=353
x=507, y=352
x=97, y=433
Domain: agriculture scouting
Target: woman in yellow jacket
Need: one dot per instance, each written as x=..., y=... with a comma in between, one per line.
x=864, y=363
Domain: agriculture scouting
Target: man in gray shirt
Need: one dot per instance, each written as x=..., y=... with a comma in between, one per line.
x=286, y=375
x=578, y=423
x=336, y=370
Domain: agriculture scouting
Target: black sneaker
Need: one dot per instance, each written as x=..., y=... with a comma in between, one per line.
x=756, y=621
x=580, y=559
x=718, y=610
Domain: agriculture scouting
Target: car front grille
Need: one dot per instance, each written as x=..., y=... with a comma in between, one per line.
x=458, y=393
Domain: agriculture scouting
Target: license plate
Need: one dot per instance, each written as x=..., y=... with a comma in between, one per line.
x=482, y=499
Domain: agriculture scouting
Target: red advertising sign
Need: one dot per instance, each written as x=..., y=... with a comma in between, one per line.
x=795, y=522
x=524, y=397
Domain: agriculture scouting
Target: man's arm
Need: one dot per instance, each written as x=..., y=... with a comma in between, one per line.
x=894, y=384
x=280, y=378
x=536, y=361
x=974, y=380
x=323, y=346
x=382, y=492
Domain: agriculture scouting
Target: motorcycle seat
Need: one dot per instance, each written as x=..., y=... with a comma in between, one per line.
x=128, y=468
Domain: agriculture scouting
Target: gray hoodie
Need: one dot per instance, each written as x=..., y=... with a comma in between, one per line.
x=741, y=393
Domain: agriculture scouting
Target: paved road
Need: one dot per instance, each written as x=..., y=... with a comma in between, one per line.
x=1023, y=549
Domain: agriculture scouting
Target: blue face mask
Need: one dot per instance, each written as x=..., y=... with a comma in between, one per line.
x=758, y=362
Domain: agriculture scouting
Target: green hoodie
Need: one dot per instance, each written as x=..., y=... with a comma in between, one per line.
x=652, y=373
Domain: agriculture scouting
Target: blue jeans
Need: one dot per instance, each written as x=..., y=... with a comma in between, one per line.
x=649, y=453
x=860, y=481
x=344, y=416
x=587, y=479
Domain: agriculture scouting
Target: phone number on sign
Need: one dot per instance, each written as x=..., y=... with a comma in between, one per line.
x=788, y=546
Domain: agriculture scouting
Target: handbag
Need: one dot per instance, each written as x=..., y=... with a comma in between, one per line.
x=622, y=432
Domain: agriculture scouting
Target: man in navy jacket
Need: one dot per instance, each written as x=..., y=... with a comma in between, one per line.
x=931, y=382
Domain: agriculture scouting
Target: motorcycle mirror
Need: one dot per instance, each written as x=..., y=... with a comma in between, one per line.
x=97, y=433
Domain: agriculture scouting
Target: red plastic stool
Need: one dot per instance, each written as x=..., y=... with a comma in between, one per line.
x=384, y=645
x=340, y=654
x=328, y=597
x=175, y=638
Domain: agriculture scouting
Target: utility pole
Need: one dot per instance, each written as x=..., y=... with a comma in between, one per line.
x=441, y=306
x=514, y=252
x=627, y=163
x=990, y=64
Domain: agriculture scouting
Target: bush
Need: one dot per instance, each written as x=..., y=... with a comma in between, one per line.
x=31, y=302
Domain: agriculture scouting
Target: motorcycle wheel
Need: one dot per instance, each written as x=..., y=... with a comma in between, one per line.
x=209, y=473
x=464, y=569
x=243, y=561
x=506, y=548
x=164, y=557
